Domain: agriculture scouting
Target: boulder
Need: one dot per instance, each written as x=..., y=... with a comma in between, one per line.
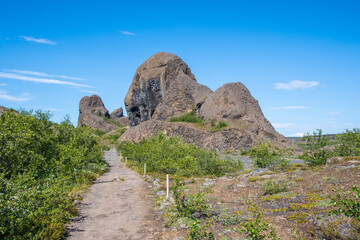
x=94, y=114
x=163, y=86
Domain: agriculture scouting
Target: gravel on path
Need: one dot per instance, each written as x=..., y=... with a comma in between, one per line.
x=117, y=206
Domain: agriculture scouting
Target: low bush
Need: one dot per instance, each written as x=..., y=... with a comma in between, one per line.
x=187, y=117
x=265, y=155
x=255, y=227
x=222, y=124
x=348, y=203
x=272, y=187
x=172, y=155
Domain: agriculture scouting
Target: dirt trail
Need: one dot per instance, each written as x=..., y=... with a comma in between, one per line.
x=115, y=209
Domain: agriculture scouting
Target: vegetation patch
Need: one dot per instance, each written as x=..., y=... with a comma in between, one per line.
x=172, y=155
x=43, y=166
x=187, y=117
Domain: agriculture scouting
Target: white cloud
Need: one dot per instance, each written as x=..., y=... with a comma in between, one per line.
x=41, y=74
x=334, y=113
x=40, y=80
x=297, y=135
x=89, y=91
x=38, y=40
x=289, y=107
x=5, y=96
x=283, y=125
x=296, y=84
x=3, y=84
x=128, y=33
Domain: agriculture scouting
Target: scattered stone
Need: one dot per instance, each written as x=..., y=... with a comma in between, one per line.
x=160, y=193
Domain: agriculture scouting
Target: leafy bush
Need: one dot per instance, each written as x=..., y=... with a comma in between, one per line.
x=198, y=232
x=348, y=203
x=42, y=164
x=316, y=153
x=187, y=117
x=265, y=155
x=255, y=227
x=173, y=156
x=271, y=187
x=349, y=143
x=221, y=124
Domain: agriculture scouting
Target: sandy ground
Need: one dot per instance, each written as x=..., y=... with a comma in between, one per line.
x=114, y=208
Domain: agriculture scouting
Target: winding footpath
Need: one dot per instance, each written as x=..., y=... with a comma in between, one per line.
x=114, y=208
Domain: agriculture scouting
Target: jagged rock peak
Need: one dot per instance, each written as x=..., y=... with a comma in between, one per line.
x=163, y=86
x=94, y=114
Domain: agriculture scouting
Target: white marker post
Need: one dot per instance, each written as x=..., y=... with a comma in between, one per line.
x=167, y=186
x=144, y=169
x=125, y=160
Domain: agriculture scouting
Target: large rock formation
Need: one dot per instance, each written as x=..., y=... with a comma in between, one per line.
x=118, y=116
x=94, y=114
x=163, y=86
x=2, y=110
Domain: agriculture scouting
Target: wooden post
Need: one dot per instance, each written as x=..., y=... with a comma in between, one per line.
x=144, y=169
x=125, y=160
x=167, y=186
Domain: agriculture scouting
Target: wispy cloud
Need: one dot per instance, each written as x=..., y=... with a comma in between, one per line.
x=41, y=74
x=47, y=109
x=333, y=113
x=296, y=135
x=89, y=91
x=289, y=107
x=38, y=40
x=3, y=84
x=128, y=33
x=283, y=125
x=5, y=96
x=296, y=84
x=40, y=80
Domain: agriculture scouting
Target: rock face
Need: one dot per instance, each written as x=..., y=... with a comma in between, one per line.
x=163, y=86
x=94, y=114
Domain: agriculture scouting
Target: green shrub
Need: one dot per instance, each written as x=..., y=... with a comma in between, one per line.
x=272, y=187
x=255, y=227
x=41, y=165
x=349, y=143
x=187, y=117
x=172, y=155
x=316, y=153
x=200, y=232
x=265, y=155
x=348, y=203
x=222, y=124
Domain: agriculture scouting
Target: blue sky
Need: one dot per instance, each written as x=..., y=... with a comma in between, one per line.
x=299, y=59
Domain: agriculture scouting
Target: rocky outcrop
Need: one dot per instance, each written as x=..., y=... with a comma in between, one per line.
x=163, y=86
x=229, y=139
x=118, y=116
x=94, y=114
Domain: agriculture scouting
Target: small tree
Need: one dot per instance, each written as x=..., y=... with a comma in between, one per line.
x=265, y=155
x=316, y=143
x=349, y=143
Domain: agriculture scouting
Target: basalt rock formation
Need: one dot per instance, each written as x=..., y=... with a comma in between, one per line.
x=163, y=87
x=94, y=114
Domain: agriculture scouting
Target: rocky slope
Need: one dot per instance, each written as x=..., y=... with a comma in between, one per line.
x=94, y=114
x=163, y=87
